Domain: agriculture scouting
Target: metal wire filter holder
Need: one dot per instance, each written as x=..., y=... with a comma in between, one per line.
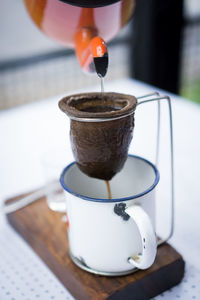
x=148, y=98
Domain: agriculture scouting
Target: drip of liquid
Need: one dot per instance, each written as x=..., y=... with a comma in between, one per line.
x=102, y=84
x=108, y=189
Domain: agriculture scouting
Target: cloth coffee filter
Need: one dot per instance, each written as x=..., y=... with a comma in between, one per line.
x=100, y=130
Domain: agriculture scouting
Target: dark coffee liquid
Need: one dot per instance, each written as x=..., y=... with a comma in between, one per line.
x=97, y=109
x=108, y=189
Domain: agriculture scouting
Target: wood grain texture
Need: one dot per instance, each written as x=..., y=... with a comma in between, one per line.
x=44, y=230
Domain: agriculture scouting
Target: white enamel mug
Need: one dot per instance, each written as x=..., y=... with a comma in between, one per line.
x=112, y=236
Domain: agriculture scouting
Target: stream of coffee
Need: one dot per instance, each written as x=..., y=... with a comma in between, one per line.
x=108, y=189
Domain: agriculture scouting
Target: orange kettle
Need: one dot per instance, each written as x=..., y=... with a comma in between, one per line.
x=85, y=25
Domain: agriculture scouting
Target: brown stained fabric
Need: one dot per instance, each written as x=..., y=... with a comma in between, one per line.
x=100, y=148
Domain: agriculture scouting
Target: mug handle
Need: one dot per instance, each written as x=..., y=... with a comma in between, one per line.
x=149, y=242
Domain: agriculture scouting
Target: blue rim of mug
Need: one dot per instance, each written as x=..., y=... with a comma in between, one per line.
x=157, y=177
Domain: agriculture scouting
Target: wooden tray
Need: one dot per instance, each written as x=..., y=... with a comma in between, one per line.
x=45, y=231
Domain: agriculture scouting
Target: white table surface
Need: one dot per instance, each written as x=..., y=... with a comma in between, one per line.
x=29, y=131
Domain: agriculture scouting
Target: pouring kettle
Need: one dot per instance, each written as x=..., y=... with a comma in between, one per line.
x=85, y=25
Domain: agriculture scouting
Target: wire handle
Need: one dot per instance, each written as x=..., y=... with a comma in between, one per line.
x=150, y=98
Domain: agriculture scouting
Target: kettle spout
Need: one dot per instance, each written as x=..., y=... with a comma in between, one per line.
x=91, y=51
x=100, y=55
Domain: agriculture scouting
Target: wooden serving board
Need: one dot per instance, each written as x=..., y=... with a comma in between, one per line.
x=45, y=231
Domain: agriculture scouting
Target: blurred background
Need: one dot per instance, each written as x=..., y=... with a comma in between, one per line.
x=160, y=46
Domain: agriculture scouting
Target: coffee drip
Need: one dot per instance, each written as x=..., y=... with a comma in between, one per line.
x=108, y=189
x=101, y=130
